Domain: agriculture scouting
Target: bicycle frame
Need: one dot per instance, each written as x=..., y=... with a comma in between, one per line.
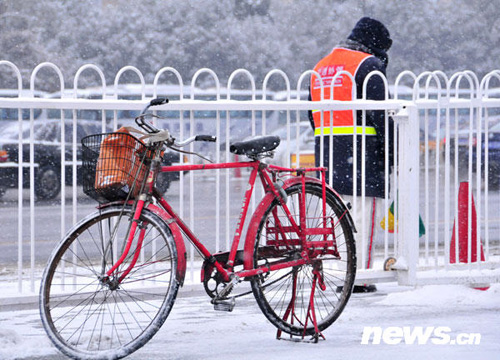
x=299, y=254
x=257, y=169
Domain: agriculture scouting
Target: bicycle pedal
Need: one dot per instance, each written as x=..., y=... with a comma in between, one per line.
x=224, y=304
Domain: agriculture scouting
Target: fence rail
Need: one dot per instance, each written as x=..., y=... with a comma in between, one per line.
x=447, y=149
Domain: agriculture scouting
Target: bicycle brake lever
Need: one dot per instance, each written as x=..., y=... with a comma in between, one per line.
x=150, y=128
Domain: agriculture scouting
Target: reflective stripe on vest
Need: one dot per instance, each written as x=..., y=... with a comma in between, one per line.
x=344, y=130
x=339, y=59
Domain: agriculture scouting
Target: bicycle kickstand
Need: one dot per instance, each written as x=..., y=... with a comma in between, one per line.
x=311, y=314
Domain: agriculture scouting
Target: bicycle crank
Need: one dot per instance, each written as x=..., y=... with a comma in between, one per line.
x=213, y=281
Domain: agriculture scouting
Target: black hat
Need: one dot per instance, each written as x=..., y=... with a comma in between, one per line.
x=372, y=34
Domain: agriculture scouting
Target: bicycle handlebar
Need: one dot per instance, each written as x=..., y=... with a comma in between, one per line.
x=151, y=129
x=191, y=139
x=139, y=120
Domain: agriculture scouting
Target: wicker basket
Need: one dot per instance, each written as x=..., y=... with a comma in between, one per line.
x=114, y=166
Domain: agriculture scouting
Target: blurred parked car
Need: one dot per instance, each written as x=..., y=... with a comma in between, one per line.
x=493, y=155
x=493, y=152
x=47, y=156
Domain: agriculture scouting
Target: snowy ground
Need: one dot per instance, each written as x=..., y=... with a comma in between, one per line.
x=195, y=331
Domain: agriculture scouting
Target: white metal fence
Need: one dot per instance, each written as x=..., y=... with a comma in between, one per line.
x=445, y=136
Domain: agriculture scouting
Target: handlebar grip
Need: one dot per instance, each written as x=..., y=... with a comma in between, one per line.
x=158, y=101
x=150, y=128
x=209, y=138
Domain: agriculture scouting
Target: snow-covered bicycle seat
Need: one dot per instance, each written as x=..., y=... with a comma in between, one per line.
x=255, y=146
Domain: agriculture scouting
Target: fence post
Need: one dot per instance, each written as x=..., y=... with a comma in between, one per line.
x=20, y=162
x=408, y=190
x=32, y=167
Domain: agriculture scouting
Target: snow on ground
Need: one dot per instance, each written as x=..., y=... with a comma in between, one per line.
x=195, y=331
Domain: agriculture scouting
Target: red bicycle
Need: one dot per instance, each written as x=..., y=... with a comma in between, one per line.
x=111, y=282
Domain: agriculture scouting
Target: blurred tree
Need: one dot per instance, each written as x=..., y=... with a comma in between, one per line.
x=226, y=35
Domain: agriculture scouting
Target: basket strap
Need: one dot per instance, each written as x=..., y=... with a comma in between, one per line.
x=162, y=135
x=131, y=129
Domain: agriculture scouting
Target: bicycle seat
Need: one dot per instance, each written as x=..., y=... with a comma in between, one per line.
x=255, y=146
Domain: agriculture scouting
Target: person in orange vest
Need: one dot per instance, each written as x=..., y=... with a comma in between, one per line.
x=364, y=51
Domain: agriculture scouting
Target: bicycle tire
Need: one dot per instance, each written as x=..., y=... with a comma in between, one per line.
x=82, y=314
x=275, y=292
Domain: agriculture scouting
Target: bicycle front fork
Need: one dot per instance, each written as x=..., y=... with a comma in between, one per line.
x=108, y=279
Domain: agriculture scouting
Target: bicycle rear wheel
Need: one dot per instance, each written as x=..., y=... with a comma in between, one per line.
x=88, y=315
x=284, y=296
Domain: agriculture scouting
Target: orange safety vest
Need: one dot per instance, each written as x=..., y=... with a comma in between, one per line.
x=339, y=59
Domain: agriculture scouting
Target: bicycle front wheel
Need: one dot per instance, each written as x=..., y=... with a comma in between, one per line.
x=284, y=295
x=90, y=315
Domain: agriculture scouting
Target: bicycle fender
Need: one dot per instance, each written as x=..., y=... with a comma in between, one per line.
x=179, y=240
x=253, y=228
x=264, y=204
x=176, y=233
